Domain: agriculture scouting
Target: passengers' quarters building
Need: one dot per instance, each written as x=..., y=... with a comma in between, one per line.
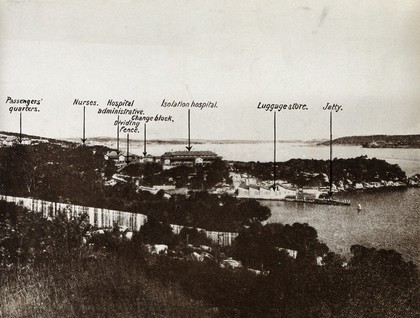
x=188, y=158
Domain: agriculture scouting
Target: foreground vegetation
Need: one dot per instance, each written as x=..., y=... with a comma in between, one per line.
x=47, y=271
x=92, y=285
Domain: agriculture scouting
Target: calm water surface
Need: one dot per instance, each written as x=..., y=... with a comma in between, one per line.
x=389, y=219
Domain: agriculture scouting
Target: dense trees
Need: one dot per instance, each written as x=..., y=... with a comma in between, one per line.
x=198, y=209
x=212, y=212
x=383, y=141
x=26, y=237
x=155, y=232
x=383, y=284
x=77, y=174
x=194, y=177
x=53, y=172
x=376, y=283
x=262, y=246
x=304, y=172
x=46, y=271
x=194, y=237
x=299, y=289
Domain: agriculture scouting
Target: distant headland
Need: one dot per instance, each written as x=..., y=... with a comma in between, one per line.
x=370, y=141
x=379, y=141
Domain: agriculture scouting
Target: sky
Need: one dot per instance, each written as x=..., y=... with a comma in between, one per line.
x=362, y=55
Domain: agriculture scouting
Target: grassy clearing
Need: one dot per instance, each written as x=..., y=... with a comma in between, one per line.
x=101, y=287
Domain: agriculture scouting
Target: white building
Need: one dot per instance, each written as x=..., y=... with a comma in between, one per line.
x=259, y=192
x=188, y=158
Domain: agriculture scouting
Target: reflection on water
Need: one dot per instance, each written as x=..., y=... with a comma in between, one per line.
x=388, y=220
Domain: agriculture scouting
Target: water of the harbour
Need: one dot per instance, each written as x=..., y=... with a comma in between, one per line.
x=389, y=219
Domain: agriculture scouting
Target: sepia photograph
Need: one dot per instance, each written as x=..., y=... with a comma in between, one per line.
x=209, y=158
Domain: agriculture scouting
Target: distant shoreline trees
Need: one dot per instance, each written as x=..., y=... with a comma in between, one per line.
x=296, y=171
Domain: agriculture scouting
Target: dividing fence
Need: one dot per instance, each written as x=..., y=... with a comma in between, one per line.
x=105, y=218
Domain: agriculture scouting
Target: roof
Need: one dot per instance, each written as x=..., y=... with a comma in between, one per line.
x=243, y=186
x=112, y=153
x=190, y=154
x=149, y=156
x=130, y=155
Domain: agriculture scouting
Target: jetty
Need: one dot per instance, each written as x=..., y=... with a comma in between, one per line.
x=278, y=192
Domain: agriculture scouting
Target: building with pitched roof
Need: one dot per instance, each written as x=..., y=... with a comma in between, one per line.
x=188, y=158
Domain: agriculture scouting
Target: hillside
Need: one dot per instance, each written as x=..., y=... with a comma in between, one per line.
x=379, y=141
x=311, y=172
x=47, y=270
